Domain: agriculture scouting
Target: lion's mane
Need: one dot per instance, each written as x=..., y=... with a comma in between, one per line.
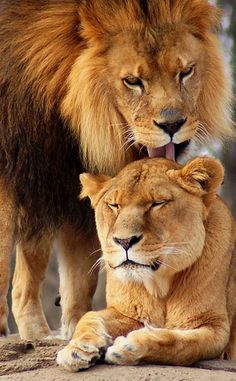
x=57, y=117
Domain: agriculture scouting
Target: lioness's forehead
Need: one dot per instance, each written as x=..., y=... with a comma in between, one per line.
x=147, y=178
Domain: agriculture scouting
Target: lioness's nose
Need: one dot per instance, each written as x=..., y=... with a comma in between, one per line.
x=127, y=242
x=173, y=120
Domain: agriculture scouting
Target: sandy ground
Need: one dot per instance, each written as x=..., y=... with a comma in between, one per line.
x=27, y=361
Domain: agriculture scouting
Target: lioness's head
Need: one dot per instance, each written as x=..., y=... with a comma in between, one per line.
x=150, y=217
x=149, y=80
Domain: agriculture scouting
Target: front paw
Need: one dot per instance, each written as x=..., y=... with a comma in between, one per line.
x=124, y=351
x=82, y=353
x=78, y=356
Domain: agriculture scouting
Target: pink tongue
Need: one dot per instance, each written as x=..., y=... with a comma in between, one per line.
x=156, y=152
x=170, y=151
x=167, y=151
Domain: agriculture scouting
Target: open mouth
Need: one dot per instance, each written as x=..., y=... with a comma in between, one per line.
x=131, y=264
x=170, y=151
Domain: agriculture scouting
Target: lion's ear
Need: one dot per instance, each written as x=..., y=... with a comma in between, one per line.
x=200, y=15
x=100, y=19
x=91, y=26
x=202, y=176
x=97, y=19
x=92, y=186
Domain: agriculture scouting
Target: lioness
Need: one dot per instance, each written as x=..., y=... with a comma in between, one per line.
x=92, y=85
x=168, y=243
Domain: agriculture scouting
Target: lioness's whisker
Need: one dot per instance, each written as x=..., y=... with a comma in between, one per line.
x=167, y=265
x=95, y=265
x=167, y=243
x=95, y=251
x=102, y=269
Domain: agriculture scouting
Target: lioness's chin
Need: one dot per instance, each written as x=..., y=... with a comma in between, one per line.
x=133, y=275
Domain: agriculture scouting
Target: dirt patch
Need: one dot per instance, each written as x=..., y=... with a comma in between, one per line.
x=19, y=356
x=27, y=361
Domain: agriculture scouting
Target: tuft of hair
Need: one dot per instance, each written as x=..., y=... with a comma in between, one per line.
x=100, y=18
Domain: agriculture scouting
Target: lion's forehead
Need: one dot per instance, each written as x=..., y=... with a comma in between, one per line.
x=150, y=48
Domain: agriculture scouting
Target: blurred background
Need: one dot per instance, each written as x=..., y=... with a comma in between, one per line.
x=226, y=153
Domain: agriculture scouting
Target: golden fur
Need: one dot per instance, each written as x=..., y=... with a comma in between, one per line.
x=174, y=301
x=65, y=108
x=121, y=42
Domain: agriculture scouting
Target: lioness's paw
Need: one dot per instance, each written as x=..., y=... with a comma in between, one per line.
x=82, y=356
x=122, y=352
x=82, y=353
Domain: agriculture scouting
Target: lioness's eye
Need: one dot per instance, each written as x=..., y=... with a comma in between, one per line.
x=158, y=203
x=185, y=73
x=132, y=82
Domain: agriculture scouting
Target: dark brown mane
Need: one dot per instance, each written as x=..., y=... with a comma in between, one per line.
x=39, y=157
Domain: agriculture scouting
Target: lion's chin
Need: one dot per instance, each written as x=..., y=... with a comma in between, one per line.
x=170, y=151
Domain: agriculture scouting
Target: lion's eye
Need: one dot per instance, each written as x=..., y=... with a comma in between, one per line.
x=133, y=82
x=158, y=203
x=114, y=206
x=186, y=73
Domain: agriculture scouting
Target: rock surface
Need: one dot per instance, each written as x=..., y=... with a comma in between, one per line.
x=27, y=361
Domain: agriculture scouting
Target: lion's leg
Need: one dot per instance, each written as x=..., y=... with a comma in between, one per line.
x=95, y=331
x=7, y=229
x=230, y=351
x=168, y=346
x=78, y=251
x=31, y=263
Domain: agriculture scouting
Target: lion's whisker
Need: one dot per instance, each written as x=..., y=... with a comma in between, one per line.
x=119, y=124
x=127, y=148
x=128, y=140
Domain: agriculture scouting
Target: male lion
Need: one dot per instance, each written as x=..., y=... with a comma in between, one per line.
x=91, y=85
x=168, y=244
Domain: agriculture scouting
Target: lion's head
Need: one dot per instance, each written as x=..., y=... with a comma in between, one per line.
x=149, y=80
x=151, y=217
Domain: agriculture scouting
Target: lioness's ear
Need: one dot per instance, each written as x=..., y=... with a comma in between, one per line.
x=92, y=186
x=202, y=176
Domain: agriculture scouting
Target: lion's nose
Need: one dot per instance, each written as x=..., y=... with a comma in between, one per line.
x=127, y=242
x=173, y=120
